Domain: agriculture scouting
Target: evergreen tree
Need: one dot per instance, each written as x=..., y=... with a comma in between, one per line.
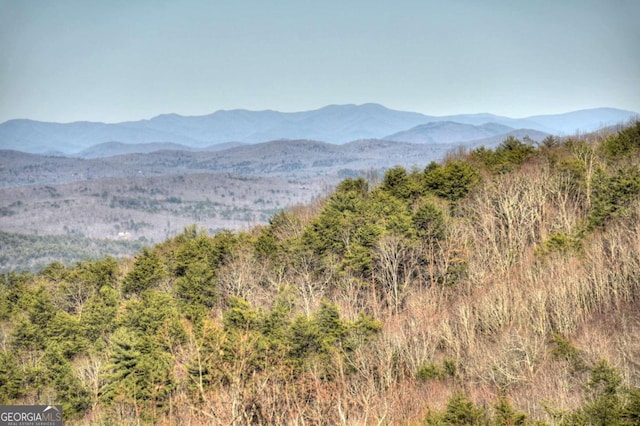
x=452, y=181
x=147, y=272
x=12, y=381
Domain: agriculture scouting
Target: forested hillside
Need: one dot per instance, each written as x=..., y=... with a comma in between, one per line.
x=498, y=287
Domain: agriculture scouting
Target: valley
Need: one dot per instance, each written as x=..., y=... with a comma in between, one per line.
x=131, y=200
x=142, y=210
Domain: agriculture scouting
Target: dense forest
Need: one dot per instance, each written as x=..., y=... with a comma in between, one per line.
x=498, y=287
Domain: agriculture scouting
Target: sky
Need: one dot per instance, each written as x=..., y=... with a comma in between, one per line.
x=121, y=60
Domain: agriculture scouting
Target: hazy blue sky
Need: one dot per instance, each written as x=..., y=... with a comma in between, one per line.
x=112, y=60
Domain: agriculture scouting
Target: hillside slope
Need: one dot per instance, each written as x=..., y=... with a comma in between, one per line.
x=497, y=288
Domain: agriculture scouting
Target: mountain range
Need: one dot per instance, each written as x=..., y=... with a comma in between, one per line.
x=337, y=124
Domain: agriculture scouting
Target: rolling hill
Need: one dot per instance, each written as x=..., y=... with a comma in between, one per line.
x=448, y=132
x=287, y=158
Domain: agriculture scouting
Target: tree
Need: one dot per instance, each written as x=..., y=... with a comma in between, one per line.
x=12, y=380
x=70, y=392
x=197, y=263
x=138, y=374
x=341, y=224
x=604, y=386
x=148, y=271
x=624, y=143
x=32, y=326
x=396, y=268
x=429, y=221
x=155, y=318
x=510, y=153
x=65, y=333
x=453, y=181
x=401, y=184
x=81, y=282
x=99, y=314
x=612, y=194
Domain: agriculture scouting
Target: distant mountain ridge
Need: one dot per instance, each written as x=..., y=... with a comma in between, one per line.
x=336, y=124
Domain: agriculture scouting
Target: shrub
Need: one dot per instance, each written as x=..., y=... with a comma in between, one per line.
x=460, y=411
x=433, y=371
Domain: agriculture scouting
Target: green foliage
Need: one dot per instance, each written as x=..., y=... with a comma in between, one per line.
x=630, y=414
x=78, y=284
x=240, y=316
x=65, y=332
x=342, y=228
x=513, y=151
x=401, y=184
x=196, y=264
x=396, y=182
x=460, y=411
x=550, y=142
x=147, y=272
x=604, y=407
x=331, y=231
x=70, y=391
x=433, y=371
x=37, y=311
x=137, y=374
x=55, y=271
x=352, y=223
x=608, y=402
x=155, y=318
x=361, y=332
x=327, y=326
x=509, y=154
x=389, y=215
x=575, y=170
x=96, y=273
x=612, y=194
x=357, y=187
x=12, y=384
x=452, y=181
x=12, y=288
x=563, y=349
x=506, y=415
x=623, y=144
x=429, y=221
x=605, y=380
x=560, y=243
x=266, y=245
x=300, y=340
x=99, y=314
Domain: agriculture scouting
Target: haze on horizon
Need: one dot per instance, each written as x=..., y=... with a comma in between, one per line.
x=73, y=60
